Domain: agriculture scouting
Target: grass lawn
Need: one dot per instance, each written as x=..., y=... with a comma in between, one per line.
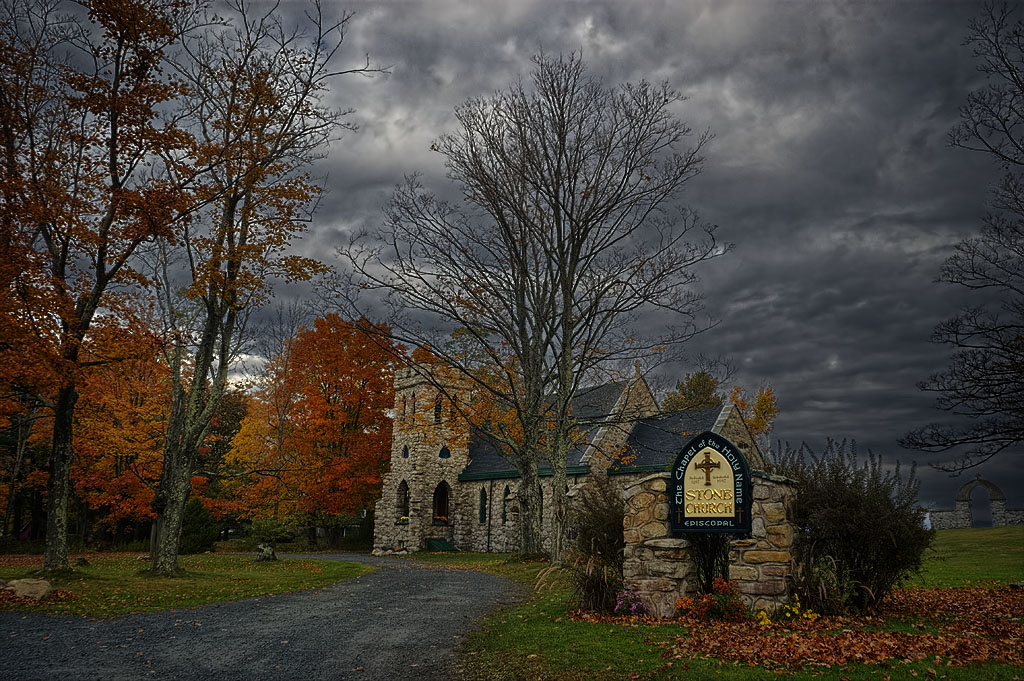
x=115, y=583
x=963, y=557
x=539, y=639
x=525, y=572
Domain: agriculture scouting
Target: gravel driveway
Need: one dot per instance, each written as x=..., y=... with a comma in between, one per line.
x=402, y=621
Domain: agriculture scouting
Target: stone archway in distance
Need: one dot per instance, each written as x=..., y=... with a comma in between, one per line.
x=995, y=496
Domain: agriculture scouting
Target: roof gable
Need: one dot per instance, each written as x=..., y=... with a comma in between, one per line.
x=654, y=442
x=590, y=407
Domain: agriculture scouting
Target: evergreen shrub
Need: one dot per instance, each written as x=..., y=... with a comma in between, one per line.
x=273, y=531
x=199, y=529
x=861, y=528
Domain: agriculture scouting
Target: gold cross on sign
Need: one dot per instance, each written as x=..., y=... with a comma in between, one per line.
x=707, y=465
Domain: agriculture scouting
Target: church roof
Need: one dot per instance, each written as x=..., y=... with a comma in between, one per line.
x=590, y=407
x=654, y=442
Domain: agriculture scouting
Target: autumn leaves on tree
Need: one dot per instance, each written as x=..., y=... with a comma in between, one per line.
x=701, y=390
x=315, y=439
x=151, y=126
x=80, y=119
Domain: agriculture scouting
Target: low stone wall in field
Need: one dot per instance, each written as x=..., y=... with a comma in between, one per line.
x=962, y=516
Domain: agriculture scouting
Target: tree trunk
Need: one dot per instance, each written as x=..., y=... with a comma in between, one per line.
x=169, y=503
x=531, y=540
x=559, y=510
x=55, y=556
x=192, y=407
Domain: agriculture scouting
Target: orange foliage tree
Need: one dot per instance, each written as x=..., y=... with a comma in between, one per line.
x=119, y=435
x=758, y=411
x=316, y=440
x=105, y=146
x=81, y=95
x=263, y=453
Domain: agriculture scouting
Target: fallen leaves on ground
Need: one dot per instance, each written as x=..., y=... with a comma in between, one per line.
x=9, y=560
x=972, y=625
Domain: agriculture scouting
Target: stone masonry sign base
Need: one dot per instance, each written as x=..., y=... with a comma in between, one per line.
x=658, y=566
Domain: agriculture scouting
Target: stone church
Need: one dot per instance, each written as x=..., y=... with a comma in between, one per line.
x=449, y=487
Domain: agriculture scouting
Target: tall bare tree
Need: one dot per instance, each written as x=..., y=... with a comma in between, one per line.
x=568, y=255
x=984, y=382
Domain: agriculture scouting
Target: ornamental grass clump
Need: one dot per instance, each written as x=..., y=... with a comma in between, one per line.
x=595, y=562
x=710, y=555
x=595, y=584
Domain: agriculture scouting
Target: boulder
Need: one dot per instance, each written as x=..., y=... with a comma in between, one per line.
x=29, y=588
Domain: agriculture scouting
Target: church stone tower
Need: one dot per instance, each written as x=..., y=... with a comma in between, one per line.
x=429, y=449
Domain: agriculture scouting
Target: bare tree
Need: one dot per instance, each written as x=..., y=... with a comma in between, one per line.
x=984, y=382
x=568, y=255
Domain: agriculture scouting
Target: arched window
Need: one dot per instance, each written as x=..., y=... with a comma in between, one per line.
x=483, y=506
x=437, y=410
x=441, y=493
x=405, y=452
x=445, y=453
x=414, y=404
x=402, y=501
x=504, y=504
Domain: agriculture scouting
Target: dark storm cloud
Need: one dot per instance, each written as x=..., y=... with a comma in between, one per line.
x=829, y=171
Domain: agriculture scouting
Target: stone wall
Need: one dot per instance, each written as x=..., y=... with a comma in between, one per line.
x=958, y=518
x=1007, y=516
x=499, y=529
x=658, y=566
x=961, y=518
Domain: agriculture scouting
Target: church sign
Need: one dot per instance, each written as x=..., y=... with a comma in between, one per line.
x=710, y=489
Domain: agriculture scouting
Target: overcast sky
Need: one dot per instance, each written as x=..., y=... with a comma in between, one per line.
x=829, y=171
